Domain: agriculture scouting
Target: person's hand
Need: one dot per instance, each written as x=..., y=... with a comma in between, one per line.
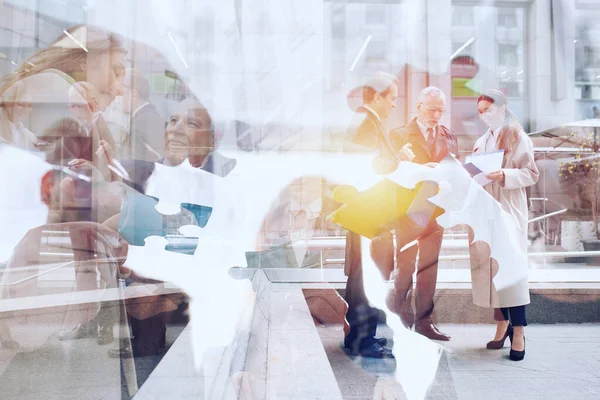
x=103, y=149
x=42, y=145
x=81, y=165
x=407, y=152
x=497, y=176
x=431, y=164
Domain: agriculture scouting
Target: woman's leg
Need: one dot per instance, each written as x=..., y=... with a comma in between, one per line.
x=519, y=320
x=501, y=315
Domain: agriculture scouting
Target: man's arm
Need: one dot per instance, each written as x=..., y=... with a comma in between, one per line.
x=401, y=145
x=452, y=142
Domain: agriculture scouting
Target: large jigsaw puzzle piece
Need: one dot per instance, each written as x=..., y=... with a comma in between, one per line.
x=205, y=287
x=183, y=184
x=140, y=219
x=375, y=210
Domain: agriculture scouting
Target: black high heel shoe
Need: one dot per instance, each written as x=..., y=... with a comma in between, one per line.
x=498, y=344
x=517, y=355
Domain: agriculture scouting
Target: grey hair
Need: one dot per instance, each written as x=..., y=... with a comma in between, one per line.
x=431, y=91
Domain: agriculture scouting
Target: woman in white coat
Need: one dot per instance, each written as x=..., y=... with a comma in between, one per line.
x=508, y=188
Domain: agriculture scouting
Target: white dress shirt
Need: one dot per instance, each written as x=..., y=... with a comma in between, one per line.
x=425, y=128
x=373, y=111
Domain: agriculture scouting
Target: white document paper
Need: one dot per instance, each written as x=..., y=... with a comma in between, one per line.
x=487, y=163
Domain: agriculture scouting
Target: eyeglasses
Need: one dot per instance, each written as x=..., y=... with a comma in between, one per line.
x=442, y=111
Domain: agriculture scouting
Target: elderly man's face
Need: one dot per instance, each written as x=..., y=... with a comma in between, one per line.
x=431, y=110
x=189, y=134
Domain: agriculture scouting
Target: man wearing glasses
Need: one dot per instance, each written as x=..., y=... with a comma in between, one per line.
x=430, y=143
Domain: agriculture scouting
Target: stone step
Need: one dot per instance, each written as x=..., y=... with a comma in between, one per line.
x=551, y=303
x=277, y=353
x=557, y=295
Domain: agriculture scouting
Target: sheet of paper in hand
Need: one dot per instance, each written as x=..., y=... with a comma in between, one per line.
x=472, y=169
x=484, y=163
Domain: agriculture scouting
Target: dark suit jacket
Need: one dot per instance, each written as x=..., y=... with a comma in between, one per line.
x=371, y=134
x=445, y=142
x=146, y=140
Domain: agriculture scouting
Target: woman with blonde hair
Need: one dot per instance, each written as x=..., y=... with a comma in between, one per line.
x=508, y=188
x=86, y=54
x=89, y=62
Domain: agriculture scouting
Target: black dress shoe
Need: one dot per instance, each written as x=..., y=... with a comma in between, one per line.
x=428, y=329
x=375, y=351
x=105, y=335
x=516, y=355
x=347, y=344
x=123, y=352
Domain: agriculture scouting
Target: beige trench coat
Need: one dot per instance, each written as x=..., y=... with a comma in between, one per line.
x=520, y=172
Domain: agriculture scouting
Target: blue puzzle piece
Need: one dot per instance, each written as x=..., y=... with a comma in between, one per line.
x=139, y=220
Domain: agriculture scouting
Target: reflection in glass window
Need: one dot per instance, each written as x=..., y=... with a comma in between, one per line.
x=507, y=17
x=507, y=55
x=376, y=15
x=489, y=49
x=338, y=20
x=587, y=63
x=376, y=51
x=468, y=50
x=462, y=16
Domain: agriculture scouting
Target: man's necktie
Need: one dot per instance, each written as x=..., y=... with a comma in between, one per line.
x=430, y=138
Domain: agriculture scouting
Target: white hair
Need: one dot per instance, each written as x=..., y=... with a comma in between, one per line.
x=431, y=91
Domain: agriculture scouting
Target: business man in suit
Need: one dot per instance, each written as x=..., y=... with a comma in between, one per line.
x=144, y=141
x=379, y=98
x=190, y=134
x=430, y=143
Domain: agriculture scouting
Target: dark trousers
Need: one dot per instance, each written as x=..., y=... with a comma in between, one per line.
x=361, y=317
x=516, y=315
x=423, y=256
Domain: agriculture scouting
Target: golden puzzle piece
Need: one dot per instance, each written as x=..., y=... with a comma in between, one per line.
x=373, y=211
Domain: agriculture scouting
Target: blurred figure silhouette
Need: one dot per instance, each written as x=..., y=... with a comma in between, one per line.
x=15, y=107
x=144, y=140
